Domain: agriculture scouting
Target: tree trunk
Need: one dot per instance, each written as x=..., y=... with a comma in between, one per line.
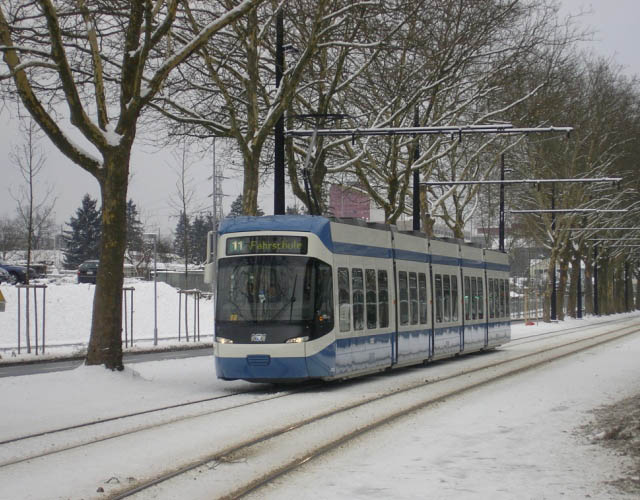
x=562, y=286
x=251, y=182
x=619, y=283
x=546, y=303
x=605, y=279
x=588, y=283
x=573, y=287
x=105, y=345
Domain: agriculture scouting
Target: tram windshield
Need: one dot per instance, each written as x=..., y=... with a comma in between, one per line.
x=268, y=288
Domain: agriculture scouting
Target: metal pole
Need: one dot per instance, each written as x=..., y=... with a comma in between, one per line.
x=186, y=315
x=27, y=320
x=579, y=289
x=626, y=286
x=278, y=184
x=214, y=228
x=131, y=316
x=19, y=307
x=44, y=313
x=416, y=178
x=35, y=316
x=553, y=271
x=126, y=320
x=595, y=281
x=501, y=244
x=155, y=290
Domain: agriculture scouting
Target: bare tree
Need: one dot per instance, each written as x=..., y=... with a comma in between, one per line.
x=184, y=203
x=229, y=89
x=451, y=61
x=11, y=236
x=104, y=62
x=34, y=210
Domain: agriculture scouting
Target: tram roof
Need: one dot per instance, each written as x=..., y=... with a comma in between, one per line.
x=305, y=223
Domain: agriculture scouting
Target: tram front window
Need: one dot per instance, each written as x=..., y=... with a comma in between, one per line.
x=275, y=289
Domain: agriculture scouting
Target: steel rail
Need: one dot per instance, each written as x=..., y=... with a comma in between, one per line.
x=140, y=428
x=249, y=447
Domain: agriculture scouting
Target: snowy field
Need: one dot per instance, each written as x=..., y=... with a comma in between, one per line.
x=522, y=437
x=68, y=316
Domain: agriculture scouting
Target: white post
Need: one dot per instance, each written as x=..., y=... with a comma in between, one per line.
x=155, y=285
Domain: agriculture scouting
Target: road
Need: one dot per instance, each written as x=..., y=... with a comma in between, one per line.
x=33, y=368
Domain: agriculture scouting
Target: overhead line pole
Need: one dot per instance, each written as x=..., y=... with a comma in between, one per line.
x=416, y=177
x=278, y=182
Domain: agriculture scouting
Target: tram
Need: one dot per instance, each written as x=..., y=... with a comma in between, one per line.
x=311, y=297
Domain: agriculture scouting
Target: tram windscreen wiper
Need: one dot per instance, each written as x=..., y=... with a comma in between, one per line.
x=293, y=297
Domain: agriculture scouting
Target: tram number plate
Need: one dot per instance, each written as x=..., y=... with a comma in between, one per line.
x=267, y=244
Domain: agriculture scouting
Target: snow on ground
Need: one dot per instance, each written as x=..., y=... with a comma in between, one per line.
x=68, y=316
x=517, y=438
x=522, y=437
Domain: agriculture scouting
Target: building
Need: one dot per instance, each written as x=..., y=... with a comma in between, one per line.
x=349, y=201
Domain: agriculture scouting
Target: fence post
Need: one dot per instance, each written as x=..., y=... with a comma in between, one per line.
x=128, y=319
x=179, y=312
x=35, y=288
x=195, y=294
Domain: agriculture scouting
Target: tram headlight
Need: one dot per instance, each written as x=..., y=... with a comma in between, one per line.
x=222, y=340
x=297, y=340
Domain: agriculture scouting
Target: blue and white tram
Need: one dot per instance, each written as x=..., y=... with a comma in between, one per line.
x=307, y=297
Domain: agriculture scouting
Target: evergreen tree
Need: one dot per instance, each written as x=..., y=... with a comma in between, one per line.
x=295, y=210
x=236, y=208
x=83, y=239
x=199, y=229
x=135, y=230
x=181, y=242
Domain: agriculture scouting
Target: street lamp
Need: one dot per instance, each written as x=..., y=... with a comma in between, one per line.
x=155, y=285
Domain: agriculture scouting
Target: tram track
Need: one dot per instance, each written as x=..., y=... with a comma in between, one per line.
x=244, y=467
x=565, y=331
x=51, y=446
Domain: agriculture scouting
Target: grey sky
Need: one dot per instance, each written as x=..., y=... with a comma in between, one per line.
x=153, y=181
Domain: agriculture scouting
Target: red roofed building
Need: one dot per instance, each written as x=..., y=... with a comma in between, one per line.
x=345, y=201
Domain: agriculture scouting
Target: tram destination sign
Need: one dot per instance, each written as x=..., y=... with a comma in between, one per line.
x=246, y=245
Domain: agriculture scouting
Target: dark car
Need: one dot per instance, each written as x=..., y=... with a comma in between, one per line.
x=87, y=271
x=5, y=277
x=18, y=274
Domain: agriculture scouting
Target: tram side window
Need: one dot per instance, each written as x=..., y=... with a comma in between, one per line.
x=422, y=297
x=404, y=297
x=446, y=292
x=438, y=293
x=480, y=298
x=490, y=297
x=413, y=298
x=467, y=296
x=474, y=298
x=503, y=299
x=344, y=299
x=372, y=298
x=357, y=292
x=496, y=297
x=454, y=298
x=507, y=296
x=324, y=296
x=383, y=299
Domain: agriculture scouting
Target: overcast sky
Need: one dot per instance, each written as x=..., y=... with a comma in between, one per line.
x=154, y=179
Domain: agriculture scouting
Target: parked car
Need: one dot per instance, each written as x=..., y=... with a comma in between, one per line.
x=88, y=271
x=5, y=277
x=18, y=274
